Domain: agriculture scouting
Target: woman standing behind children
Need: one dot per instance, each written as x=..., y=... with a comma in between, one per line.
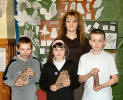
x=71, y=30
x=100, y=62
x=23, y=88
x=56, y=63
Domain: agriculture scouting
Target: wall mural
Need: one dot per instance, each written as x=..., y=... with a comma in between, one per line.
x=38, y=20
x=29, y=15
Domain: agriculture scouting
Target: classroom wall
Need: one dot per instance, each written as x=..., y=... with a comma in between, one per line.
x=113, y=11
x=3, y=25
x=7, y=22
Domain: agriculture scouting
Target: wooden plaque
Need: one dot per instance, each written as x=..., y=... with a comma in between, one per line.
x=96, y=80
x=61, y=79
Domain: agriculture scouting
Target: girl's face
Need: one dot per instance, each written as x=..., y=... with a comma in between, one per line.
x=97, y=42
x=71, y=23
x=59, y=53
x=25, y=50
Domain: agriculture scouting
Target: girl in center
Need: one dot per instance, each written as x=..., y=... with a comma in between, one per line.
x=57, y=62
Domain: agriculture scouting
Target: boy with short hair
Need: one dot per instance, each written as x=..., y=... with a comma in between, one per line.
x=97, y=61
x=23, y=88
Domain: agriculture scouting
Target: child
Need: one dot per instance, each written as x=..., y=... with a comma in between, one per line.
x=57, y=62
x=22, y=90
x=71, y=29
x=97, y=61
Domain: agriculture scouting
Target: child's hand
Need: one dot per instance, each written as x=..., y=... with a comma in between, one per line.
x=66, y=83
x=21, y=83
x=30, y=72
x=97, y=88
x=94, y=71
x=53, y=88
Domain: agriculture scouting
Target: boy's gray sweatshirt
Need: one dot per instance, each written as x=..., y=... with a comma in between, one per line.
x=14, y=69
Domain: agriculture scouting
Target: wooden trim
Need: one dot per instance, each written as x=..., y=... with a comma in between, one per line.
x=10, y=45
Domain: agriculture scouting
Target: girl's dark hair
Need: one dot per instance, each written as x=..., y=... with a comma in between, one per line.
x=59, y=45
x=24, y=40
x=98, y=31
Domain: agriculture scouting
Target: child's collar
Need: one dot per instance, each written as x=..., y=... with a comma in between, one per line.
x=21, y=58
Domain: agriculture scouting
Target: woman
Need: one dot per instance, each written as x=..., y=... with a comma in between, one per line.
x=71, y=30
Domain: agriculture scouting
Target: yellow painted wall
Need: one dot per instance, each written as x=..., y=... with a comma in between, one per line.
x=10, y=20
x=3, y=26
x=7, y=22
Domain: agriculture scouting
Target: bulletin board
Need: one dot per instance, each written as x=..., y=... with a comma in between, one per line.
x=111, y=32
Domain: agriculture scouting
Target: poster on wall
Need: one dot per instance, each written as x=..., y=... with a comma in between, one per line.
x=2, y=59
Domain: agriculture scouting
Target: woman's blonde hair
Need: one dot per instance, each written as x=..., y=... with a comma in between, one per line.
x=62, y=30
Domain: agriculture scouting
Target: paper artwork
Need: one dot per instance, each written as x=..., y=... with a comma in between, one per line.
x=49, y=42
x=88, y=7
x=80, y=8
x=36, y=5
x=44, y=31
x=97, y=3
x=98, y=12
x=23, y=4
x=22, y=18
x=28, y=33
x=53, y=33
x=43, y=43
x=105, y=27
x=73, y=5
x=42, y=50
x=52, y=11
x=112, y=28
x=96, y=25
x=88, y=16
x=111, y=39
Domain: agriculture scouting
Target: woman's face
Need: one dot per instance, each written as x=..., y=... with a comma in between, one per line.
x=71, y=23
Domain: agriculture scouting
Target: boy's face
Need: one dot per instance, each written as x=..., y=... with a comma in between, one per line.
x=97, y=42
x=25, y=50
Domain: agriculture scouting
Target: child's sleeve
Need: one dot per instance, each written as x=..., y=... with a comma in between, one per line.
x=81, y=67
x=44, y=82
x=37, y=72
x=74, y=77
x=8, y=75
x=113, y=67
